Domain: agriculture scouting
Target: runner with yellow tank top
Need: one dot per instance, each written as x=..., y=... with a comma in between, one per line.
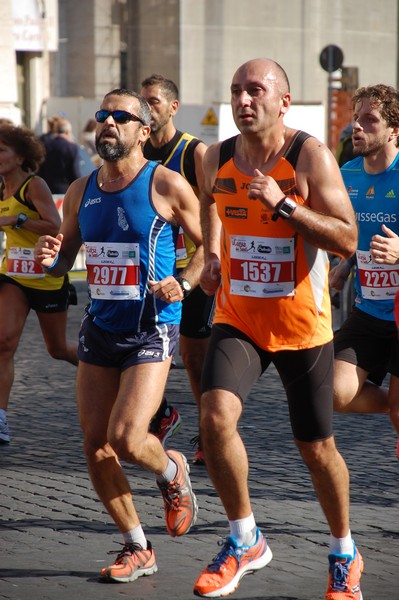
x=181, y=152
x=27, y=211
x=18, y=262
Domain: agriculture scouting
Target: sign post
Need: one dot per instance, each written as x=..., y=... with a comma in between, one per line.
x=331, y=59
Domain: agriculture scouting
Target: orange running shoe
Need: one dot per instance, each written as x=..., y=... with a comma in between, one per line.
x=132, y=562
x=223, y=575
x=179, y=499
x=344, y=577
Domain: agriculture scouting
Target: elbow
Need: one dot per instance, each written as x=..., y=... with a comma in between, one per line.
x=349, y=246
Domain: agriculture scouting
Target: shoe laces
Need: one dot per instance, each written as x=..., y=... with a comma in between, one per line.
x=219, y=560
x=171, y=494
x=127, y=550
x=339, y=571
x=195, y=440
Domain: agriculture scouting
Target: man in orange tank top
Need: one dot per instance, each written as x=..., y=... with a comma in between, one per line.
x=273, y=203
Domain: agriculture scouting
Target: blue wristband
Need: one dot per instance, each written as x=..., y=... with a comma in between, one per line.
x=51, y=267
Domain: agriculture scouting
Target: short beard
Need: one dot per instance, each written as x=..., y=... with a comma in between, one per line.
x=360, y=152
x=369, y=150
x=111, y=152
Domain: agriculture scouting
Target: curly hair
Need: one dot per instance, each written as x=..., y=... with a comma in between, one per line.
x=384, y=98
x=25, y=144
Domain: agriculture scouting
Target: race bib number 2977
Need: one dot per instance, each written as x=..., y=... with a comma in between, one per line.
x=113, y=270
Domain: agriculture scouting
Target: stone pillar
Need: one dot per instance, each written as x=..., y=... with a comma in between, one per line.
x=8, y=66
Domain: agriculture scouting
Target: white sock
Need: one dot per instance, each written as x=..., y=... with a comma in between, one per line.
x=136, y=536
x=343, y=545
x=169, y=474
x=244, y=530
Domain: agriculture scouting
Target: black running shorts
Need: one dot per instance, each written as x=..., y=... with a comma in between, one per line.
x=44, y=301
x=196, y=316
x=369, y=343
x=234, y=363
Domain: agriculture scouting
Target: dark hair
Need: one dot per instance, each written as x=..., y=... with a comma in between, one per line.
x=25, y=144
x=144, y=110
x=168, y=87
x=52, y=123
x=383, y=97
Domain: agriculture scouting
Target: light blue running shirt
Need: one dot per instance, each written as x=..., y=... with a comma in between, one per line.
x=375, y=199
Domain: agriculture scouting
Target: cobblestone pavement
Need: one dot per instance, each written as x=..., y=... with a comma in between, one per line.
x=55, y=535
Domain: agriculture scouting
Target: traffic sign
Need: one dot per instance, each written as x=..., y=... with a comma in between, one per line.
x=331, y=58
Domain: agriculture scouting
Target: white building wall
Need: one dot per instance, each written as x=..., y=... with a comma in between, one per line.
x=219, y=35
x=216, y=36
x=8, y=87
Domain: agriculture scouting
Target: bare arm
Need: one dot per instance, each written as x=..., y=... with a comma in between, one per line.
x=328, y=221
x=199, y=154
x=64, y=247
x=38, y=194
x=338, y=275
x=175, y=200
x=210, y=223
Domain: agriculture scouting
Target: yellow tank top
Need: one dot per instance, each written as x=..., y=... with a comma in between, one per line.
x=175, y=161
x=274, y=284
x=18, y=262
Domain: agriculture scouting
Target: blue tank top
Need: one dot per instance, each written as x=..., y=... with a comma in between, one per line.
x=123, y=233
x=375, y=201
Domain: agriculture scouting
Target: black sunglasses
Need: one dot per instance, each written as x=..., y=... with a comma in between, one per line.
x=119, y=116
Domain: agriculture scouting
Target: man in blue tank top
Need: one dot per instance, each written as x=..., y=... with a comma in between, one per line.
x=126, y=213
x=366, y=346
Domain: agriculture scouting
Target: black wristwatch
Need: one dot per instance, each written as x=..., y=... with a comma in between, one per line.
x=185, y=286
x=22, y=217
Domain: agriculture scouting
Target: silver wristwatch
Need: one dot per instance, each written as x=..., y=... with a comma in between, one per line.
x=21, y=218
x=185, y=286
x=286, y=208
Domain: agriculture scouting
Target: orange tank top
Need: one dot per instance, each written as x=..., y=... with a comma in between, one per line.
x=274, y=284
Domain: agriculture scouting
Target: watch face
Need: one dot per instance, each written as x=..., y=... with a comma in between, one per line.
x=287, y=208
x=21, y=218
x=185, y=286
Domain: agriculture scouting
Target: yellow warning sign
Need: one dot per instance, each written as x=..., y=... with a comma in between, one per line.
x=210, y=118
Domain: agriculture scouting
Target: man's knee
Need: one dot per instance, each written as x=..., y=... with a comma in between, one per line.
x=346, y=385
x=56, y=350
x=341, y=399
x=193, y=362
x=317, y=455
x=193, y=353
x=219, y=413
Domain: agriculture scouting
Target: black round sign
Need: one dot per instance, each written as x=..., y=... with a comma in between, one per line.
x=331, y=58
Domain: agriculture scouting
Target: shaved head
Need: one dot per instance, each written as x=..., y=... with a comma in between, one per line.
x=266, y=69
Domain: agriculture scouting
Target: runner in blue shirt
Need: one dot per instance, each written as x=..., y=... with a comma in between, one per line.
x=366, y=346
x=126, y=214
